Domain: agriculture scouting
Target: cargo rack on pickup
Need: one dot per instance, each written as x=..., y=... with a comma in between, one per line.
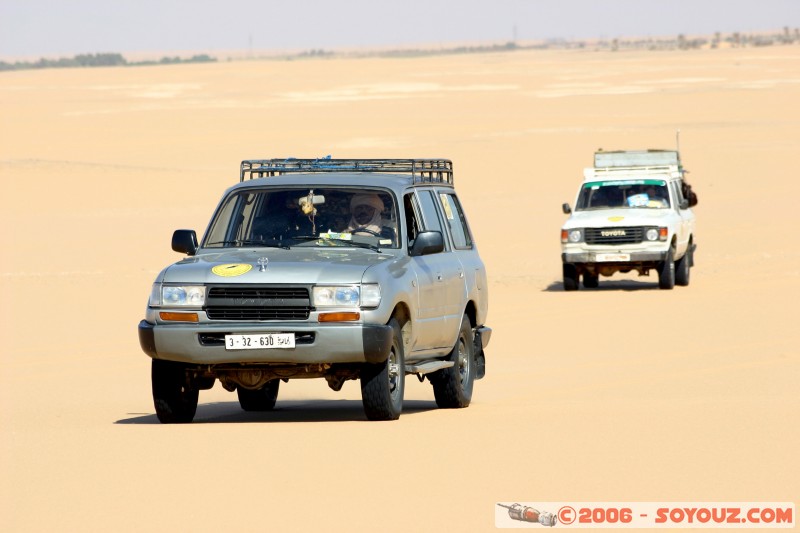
x=621, y=163
x=421, y=170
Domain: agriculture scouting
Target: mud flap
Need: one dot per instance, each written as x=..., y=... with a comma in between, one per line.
x=479, y=340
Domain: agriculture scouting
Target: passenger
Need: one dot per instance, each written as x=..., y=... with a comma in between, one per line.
x=599, y=198
x=274, y=221
x=654, y=198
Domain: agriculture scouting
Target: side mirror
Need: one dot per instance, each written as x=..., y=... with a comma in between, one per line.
x=185, y=241
x=566, y=209
x=427, y=242
x=684, y=204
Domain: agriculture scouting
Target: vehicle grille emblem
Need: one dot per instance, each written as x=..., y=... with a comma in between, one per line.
x=262, y=264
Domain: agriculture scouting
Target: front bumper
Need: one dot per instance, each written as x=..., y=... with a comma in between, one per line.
x=318, y=343
x=633, y=257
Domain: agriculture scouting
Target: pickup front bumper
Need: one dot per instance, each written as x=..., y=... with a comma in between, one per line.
x=633, y=257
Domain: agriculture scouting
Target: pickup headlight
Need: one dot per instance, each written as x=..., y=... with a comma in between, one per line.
x=368, y=295
x=572, y=235
x=177, y=295
x=656, y=234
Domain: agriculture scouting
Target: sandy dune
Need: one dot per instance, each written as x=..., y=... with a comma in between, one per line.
x=625, y=393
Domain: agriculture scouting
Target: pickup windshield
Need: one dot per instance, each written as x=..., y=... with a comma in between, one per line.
x=649, y=194
x=307, y=217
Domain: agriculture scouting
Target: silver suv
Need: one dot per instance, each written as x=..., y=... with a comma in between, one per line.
x=328, y=268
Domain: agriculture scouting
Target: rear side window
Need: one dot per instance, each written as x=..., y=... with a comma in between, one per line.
x=454, y=216
x=432, y=221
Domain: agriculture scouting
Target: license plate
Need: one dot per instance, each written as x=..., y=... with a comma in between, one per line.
x=259, y=341
x=608, y=258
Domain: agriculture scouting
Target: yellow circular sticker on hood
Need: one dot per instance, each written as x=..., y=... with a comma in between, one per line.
x=231, y=269
x=615, y=219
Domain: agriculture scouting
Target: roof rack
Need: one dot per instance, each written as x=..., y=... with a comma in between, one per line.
x=636, y=158
x=421, y=170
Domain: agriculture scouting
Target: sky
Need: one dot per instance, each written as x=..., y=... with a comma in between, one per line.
x=63, y=28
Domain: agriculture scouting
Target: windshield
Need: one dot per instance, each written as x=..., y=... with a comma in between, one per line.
x=305, y=217
x=650, y=194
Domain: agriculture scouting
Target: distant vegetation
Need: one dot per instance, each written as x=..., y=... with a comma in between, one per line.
x=681, y=42
x=99, y=60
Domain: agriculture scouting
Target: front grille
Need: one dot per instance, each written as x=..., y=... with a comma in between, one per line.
x=257, y=313
x=259, y=302
x=259, y=291
x=616, y=235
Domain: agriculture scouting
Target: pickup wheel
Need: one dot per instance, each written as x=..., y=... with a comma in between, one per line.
x=383, y=384
x=452, y=386
x=262, y=399
x=174, y=399
x=590, y=281
x=666, y=272
x=682, y=268
x=570, y=277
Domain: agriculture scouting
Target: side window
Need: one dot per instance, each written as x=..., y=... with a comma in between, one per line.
x=413, y=226
x=676, y=192
x=432, y=220
x=454, y=217
x=229, y=221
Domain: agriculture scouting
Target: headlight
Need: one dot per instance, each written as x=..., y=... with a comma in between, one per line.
x=575, y=235
x=651, y=234
x=347, y=296
x=183, y=295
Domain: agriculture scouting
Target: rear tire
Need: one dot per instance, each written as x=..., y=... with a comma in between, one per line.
x=683, y=268
x=383, y=384
x=453, y=386
x=262, y=399
x=570, y=277
x=174, y=398
x=666, y=272
x=590, y=281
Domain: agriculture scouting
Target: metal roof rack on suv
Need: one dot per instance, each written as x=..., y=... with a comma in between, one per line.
x=421, y=170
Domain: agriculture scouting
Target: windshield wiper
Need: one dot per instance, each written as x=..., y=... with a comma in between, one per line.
x=358, y=244
x=338, y=242
x=252, y=242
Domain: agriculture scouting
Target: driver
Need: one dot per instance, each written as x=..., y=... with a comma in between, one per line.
x=365, y=211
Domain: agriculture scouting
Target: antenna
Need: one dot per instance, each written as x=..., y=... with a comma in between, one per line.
x=678, y=140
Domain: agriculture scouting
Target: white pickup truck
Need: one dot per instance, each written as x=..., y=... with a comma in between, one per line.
x=632, y=212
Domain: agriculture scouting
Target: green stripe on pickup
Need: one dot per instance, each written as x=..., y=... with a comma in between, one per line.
x=592, y=184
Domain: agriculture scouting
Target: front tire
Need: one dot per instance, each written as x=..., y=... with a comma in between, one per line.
x=174, y=398
x=453, y=386
x=262, y=399
x=570, y=277
x=683, y=268
x=383, y=384
x=666, y=272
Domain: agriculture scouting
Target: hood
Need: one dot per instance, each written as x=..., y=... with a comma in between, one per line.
x=273, y=265
x=601, y=218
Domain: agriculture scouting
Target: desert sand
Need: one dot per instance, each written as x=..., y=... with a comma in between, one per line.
x=625, y=393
